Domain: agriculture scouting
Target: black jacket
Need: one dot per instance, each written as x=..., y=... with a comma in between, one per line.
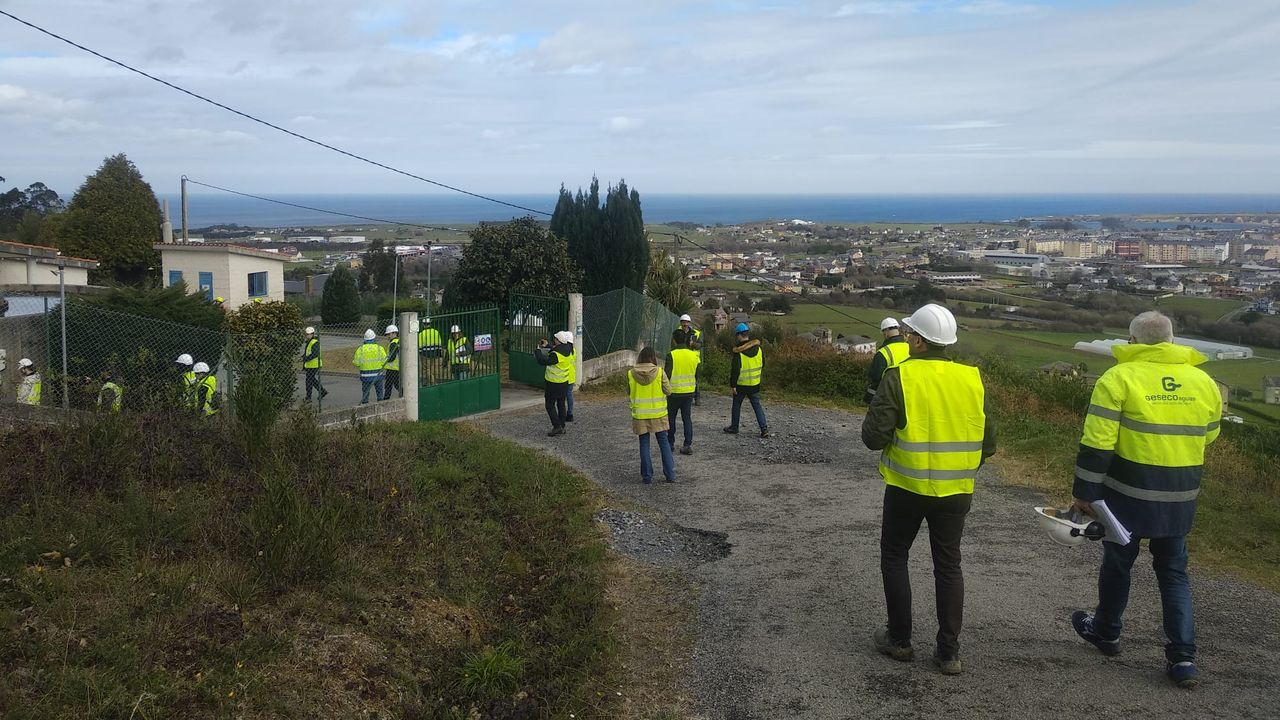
x=888, y=411
x=750, y=348
x=876, y=371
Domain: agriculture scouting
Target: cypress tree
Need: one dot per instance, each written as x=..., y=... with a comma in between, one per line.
x=340, y=304
x=114, y=218
x=606, y=241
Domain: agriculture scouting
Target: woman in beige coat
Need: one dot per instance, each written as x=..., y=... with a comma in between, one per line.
x=648, y=389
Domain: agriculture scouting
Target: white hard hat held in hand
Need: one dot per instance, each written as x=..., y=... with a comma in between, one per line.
x=370, y=334
x=933, y=323
x=201, y=367
x=392, y=329
x=1069, y=529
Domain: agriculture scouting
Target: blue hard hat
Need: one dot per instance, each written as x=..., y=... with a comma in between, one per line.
x=743, y=327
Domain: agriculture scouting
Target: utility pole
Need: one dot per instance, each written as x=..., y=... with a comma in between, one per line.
x=395, y=282
x=185, y=224
x=62, y=310
x=430, y=295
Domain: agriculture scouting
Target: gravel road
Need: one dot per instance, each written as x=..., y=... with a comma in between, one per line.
x=780, y=536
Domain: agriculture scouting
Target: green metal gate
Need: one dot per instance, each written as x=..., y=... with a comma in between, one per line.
x=464, y=376
x=533, y=318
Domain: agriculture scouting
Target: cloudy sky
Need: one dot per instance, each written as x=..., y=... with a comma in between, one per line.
x=677, y=96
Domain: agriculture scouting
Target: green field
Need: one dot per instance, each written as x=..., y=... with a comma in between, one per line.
x=1208, y=309
x=735, y=285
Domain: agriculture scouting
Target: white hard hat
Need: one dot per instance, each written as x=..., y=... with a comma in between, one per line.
x=369, y=334
x=933, y=323
x=25, y=362
x=455, y=329
x=309, y=330
x=426, y=321
x=392, y=329
x=185, y=359
x=564, y=336
x=887, y=323
x=685, y=318
x=1066, y=528
x=201, y=367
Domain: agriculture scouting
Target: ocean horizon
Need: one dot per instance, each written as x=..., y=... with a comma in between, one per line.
x=444, y=209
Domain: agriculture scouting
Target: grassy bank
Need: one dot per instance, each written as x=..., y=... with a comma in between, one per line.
x=159, y=568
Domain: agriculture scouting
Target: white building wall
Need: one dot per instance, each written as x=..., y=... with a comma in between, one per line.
x=193, y=262
x=13, y=271
x=241, y=266
x=29, y=271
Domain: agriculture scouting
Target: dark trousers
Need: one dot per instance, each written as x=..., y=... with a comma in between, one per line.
x=392, y=382
x=313, y=382
x=903, y=513
x=556, y=410
x=681, y=405
x=736, y=414
x=1169, y=560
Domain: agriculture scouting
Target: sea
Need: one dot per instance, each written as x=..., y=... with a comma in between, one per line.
x=220, y=209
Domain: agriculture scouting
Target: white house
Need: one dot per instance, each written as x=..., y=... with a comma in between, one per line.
x=27, y=265
x=236, y=274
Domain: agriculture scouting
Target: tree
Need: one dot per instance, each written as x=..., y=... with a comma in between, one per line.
x=114, y=218
x=668, y=283
x=379, y=269
x=606, y=241
x=22, y=211
x=340, y=304
x=711, y=304
x=515, y=256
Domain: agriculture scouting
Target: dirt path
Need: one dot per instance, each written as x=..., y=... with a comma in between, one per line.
x=781, y=538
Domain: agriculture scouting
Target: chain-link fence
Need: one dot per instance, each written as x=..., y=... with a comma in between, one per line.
x=625, y=320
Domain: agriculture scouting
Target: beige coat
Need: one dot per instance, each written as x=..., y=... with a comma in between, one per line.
x=646, y=373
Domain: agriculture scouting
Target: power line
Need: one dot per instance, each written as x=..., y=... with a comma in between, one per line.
x=776, y=284
x=271, y=125
x=322, y=210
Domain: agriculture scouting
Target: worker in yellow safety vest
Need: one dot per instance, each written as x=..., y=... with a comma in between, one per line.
x=186, y=385
x=931, y=420
x=682, y=367
x=429, y=350
x=459, y=354
x=746, y=373
x=648, y=387
x=1150, y=419
x=111, y=395
x=206, y=392
x=679, y=338
x=30, y=388
x=370, y=359
x=559, y=371
x=312, y=361
x=892, y=352
x=392, y=364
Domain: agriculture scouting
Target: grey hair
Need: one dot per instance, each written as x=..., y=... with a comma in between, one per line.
x=1151, y=328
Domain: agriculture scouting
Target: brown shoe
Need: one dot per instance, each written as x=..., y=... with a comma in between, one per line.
x=947, y=666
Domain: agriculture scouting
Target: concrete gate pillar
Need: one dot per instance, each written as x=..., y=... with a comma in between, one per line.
x=575, y=326
x=409, y=363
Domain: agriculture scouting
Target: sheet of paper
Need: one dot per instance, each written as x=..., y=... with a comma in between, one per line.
x=1116, y=532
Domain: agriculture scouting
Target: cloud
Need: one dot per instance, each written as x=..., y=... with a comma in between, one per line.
x=492, y=134
x=17, y=99
x=997, y=8
x=207, y=138
x=620, y=124
x=963, y=125
x=878, y=7
x=164, y=54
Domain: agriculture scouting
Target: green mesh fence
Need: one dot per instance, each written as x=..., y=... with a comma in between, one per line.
x=625, y=320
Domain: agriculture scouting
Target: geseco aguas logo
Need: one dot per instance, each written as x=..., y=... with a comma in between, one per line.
x=1169, y=384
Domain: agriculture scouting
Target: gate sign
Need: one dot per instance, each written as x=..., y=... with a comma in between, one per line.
x=483, y=342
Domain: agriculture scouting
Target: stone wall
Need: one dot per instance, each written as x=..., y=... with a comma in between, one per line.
x=384, y=411
x=606, y=365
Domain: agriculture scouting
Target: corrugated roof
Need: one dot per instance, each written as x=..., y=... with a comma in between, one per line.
x=40, y=251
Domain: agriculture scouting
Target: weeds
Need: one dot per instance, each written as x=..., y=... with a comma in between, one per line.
x=491, y=673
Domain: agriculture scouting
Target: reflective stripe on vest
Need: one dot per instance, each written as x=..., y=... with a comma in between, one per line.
x=394, y=364
x=117, y=399
x=369, y=359
x=316, y=361
x=938, y=453
x=894, y=354
x=751, y=369
x=456, y=357
x=647, y=401
x=684, y=371
x=1168, y=413
x=562, y=371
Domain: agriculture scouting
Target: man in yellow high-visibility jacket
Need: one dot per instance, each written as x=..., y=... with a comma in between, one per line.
x=1150, y=418
x=369, y=360
x=930, y=419
x=682, y=368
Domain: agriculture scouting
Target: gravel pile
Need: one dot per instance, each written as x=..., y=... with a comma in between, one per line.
x=662, y=543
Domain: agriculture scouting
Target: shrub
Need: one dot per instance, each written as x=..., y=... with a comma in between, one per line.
x=386, y=317
x=266, y=338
